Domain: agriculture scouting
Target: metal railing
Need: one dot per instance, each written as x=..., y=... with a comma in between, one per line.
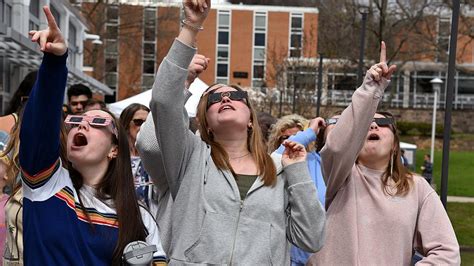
x=343, y=98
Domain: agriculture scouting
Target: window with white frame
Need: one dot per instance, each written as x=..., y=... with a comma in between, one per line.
x=6, y=12
x=111, y=48
x=149, y=48
x=444, y=29
x=34, y=21
x=72, y=42
x=223, y=46
x=296, y=35
x=259, y=44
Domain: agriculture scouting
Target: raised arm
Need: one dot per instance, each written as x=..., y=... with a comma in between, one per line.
x=306, y=215
x=175, y=141
x=39, y=135
x=307, y=136
x=344, y=142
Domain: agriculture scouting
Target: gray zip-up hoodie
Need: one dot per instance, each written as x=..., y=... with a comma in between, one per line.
x=209, y=223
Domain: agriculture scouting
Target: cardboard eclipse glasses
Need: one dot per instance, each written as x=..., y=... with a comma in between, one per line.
x=233, y=95
x=93, y=121
x=381, y=122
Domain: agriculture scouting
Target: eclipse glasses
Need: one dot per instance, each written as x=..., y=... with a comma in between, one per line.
x=233, y=95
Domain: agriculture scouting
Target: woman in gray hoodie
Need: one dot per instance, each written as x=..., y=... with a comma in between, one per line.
x=232, y=203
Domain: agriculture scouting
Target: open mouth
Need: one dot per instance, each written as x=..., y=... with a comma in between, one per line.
x=373, y=137
x=226, y=107
x=79, y=140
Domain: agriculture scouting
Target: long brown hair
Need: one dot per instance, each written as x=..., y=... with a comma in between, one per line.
x=402, y=177
x=11, y=153
x=117, y=184
x=255, y=143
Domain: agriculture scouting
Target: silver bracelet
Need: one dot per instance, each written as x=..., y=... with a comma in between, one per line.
x=194, y=27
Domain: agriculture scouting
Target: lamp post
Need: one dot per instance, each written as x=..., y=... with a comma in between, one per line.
x=363, y=10
x=320, y=84
x=436, y=83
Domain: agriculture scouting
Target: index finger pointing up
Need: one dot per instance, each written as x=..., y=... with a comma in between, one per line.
x=49, y=16
x=383, y=53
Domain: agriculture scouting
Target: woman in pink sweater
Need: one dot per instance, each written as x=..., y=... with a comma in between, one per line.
x=378, y=213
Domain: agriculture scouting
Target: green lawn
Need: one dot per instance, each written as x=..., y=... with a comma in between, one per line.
x=462, y=218
x=461, y=171
x=467, y=258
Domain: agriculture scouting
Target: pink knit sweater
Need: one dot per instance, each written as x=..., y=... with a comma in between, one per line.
x=365, y=226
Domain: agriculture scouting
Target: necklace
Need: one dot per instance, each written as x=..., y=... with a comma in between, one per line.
x=242, y=156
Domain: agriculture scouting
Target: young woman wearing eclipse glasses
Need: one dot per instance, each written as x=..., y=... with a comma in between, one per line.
x=232, y=203
x=378, y=213
x=87, y=214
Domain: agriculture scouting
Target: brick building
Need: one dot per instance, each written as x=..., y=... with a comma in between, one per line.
x=271, y=48
x=244, y=43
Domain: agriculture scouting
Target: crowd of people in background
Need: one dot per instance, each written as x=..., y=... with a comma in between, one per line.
x=80, y=186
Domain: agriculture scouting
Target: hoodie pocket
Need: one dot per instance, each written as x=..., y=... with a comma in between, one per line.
x=278, y=246
x=214, y=244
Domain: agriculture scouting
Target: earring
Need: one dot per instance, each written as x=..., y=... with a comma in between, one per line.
x=391, y=164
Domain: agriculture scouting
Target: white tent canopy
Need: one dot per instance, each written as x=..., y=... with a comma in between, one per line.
x=196, y=88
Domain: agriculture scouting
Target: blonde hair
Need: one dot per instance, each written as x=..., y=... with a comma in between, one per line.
x=284, y=123
x=255, y=143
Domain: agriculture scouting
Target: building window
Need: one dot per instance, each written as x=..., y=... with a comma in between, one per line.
x=111, y=48
x=223, y=46
x=444, y=29
x=111, y=65
x=72, y=37
x=148, y=81
x=112, y=14
x=149, y=66
x=34, y=8
x=111, y=79
x=112, y=31
x=56, y=15
x=6, y=12
x=259, y=46
x=72, y=41
x=149, y=47
x=296, y=35
x=33, y=23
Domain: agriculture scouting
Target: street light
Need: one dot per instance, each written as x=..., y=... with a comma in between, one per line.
x=93, y=37
x=436, y=84
x=363, y=10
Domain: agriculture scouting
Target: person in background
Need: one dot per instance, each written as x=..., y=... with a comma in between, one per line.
x=4, y=162
x=308, y=139
x=378, y=213
x=66, y=110
x=78, y=95
x=88, y=213
x=132, y=118
x=8, y=122
x=266, y=122
x=13, y=250
x=284, y=128
x=403, y=158
x=427, y=169
x=94, y=104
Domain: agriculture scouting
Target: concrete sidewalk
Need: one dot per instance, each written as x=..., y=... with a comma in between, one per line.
x=460, y=199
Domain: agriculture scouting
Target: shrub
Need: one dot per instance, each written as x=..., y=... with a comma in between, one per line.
x=419, y=128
